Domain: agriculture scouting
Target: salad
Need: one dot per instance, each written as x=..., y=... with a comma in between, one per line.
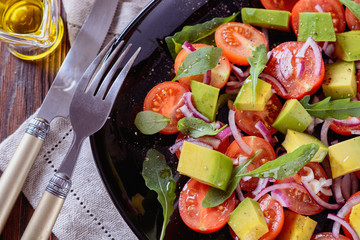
x=287, y=148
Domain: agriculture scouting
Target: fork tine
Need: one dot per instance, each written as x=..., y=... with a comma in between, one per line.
x=94, y=84
x=111, y=95
x=94, y=65
x=104, y=85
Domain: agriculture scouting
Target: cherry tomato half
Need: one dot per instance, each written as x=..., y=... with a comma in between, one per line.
x=219, y=75
x=286, y=5
x=246, y=120
x=332, y=6
x=300, y=201
x=308, y=83
x=238, y=40
x=327, y=236
x=166, y=98
x=352, y=21
x=256, y=143
x=198, y=218
x=344, y=129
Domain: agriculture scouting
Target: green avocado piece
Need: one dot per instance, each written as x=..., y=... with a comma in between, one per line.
x=205, y=98
x=274, y=19
x=292, y=116
x=244, y=98
x=205, y=165
x=340, y=80
x=248, y=221
x=295, y=139
x=317, y=25
x=347, y=45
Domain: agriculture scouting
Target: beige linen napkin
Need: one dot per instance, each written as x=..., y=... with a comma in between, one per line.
x=88, y=212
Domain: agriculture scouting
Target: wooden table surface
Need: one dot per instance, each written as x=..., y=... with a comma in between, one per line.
x=23, y=86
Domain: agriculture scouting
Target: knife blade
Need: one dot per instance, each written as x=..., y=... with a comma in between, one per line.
x=56, y=103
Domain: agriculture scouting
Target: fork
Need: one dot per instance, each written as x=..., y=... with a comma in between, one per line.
x=89, y=110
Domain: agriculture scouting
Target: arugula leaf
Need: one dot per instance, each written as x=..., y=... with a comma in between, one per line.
x=196, y=127
x=216, y=196
x=284, y=166
x=257, y=65
x=196, y=33
x=338, y=109
x=199, y=61
x=149, y=122
x=158, y=177
x=353, y=6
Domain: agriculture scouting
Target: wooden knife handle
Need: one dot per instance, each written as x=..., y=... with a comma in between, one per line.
x=15, y=174
x=44, y=217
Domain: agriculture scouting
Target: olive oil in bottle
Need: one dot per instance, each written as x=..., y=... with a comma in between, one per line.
x=21, y=16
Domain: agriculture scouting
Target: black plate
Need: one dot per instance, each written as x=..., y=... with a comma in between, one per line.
x=119, y=149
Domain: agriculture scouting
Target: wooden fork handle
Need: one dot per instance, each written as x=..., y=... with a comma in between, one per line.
x=44, y=217
x=15, y=174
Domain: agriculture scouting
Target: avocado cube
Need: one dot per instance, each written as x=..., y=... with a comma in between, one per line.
x=292, y=116
x=248, y=221
x=295, y=139
x=317, y=25
x=296, y=227
x=340, y=80
x=244, y=99
x=274, y=19
x=347, y=46
x=205, y=165
x=354, y=218
x=344, y=157
x=205, y=98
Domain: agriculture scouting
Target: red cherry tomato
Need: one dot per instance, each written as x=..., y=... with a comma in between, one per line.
x=347, y=217
x=352, y=21
x=256, y=143
x=238, y=40
x=300, y=201
x=307, y=84
x=274, y=215
x=198, y=218
x=219, y=75
x=246, y=120
x=286, y=5
x=327, y=236
x=344, y=129
x=332, y=6
x=166, y=98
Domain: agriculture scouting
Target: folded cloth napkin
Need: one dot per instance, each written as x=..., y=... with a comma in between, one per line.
x=88, y=212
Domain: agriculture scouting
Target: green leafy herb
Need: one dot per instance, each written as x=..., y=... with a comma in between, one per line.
x=158, y=177
x=338, y=109
x=195, y=127
x=257, y=65
x=199, y=61
x=195, y=33
x=353, y=6
x=216, y=196
x=149, y=122
x=284, y=166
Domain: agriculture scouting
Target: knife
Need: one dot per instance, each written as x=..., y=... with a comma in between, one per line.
x=56, y=102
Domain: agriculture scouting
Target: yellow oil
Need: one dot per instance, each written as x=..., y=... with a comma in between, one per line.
x=21, y=16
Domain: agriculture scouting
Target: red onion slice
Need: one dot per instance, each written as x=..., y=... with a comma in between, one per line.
x=324, y=131
x=274, y=81
x=207, y=77
x=286, y=68
x=318, y=200
x=318, y=8
x=188, y=102
x=279, y=186
x=188, y=46
x=280, y=197
x=236, y=133
x=337, y=190
x=260, y=186
x=239, y=193
x=185, y=110
x=343, y=212
x=300, y=68
x=264, y=131
x=239, y=73
x=345, y=224
x=346, y=186
x=348, y=122
x=317, y=53
x=354, y=183
x=212, y=141
x=226, y=132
